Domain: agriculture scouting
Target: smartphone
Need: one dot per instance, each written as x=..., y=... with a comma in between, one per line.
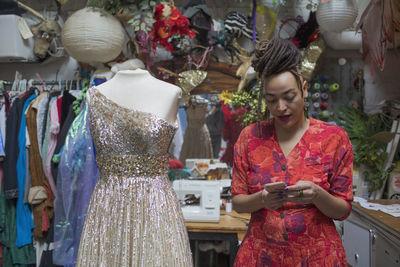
x=274, y=187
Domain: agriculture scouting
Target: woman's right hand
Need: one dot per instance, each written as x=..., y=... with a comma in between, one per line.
x=273, y=200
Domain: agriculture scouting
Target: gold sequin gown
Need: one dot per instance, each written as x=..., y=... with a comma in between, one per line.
x=133, y=218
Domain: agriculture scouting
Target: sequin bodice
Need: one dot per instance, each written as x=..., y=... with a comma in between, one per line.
x=128, y=142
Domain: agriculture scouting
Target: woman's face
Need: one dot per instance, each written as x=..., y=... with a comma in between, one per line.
x=285, y=101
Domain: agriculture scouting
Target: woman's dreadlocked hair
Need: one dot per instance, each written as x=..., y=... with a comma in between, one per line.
x=274, y=57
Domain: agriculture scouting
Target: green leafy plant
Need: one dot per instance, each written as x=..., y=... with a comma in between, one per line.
x=111, y=6
x=138, y=12
x=142, y=16
x=369, y=135
x=248, y=99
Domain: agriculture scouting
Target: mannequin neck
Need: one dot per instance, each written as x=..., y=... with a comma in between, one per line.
x=128, y=74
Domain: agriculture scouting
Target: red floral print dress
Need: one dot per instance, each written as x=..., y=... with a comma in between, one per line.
x=295, y=234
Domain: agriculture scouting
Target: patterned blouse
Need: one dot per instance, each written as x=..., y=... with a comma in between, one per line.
x=295, y=234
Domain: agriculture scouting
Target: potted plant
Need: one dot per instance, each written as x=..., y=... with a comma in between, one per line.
x=369, y=135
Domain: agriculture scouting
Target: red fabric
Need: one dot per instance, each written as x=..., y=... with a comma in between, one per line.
x=293, y=235
x=59, y=103
x=45, y=223
x=175, y=164
x=7, y=102
x=231, y=131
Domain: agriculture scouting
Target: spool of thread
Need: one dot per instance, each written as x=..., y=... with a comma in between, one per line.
x=323, y=105
x=316, y=86
x=306, y=104
x=324, y=114
x=334, y=87
x=325, y=87
x=324, y=96
x=314, y=114
x=315, y=97
x=316, y=105
x=228, y=206
x=315, y=78
x=324, y=78
x=309, y=95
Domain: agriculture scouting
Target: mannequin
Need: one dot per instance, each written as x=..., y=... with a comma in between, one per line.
x=138, y=90
x=133, y=211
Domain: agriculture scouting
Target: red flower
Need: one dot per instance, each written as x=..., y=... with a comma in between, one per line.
x=165, y=28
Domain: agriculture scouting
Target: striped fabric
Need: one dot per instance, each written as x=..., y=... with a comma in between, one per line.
x=237, y=25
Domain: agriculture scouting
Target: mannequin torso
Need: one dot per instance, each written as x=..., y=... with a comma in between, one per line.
x=138, y=90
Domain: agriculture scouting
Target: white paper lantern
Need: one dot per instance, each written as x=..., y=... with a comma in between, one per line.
x=345, y=40
x=336, y=15
x=93, y=36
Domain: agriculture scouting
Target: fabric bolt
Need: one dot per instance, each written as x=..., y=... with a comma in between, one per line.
x=134, y=217
x=43, y=212
x=41, y=113
x=196, y=142
x=24, y=216
x=54, y=130
x=295, y=234
x=76, y=179
x=231, y=131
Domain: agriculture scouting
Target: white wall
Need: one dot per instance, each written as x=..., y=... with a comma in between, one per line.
x=66, y=68
x=381, y=85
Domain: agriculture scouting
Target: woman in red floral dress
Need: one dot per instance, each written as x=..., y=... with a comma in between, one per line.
x=293, y=226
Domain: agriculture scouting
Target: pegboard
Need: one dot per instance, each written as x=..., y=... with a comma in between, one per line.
x=328, y=75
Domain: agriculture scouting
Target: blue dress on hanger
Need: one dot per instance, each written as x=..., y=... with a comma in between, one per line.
x=24, y=215
x=77, y=176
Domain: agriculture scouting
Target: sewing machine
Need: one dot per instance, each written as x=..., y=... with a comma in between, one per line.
x=199, y=199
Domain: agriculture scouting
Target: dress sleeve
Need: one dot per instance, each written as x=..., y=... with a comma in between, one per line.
x=341, y=181
x=241, y=165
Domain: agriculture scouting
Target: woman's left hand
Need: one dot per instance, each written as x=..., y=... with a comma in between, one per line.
x=303, y=192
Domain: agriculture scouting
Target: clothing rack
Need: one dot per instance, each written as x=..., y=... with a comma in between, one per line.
x=37, y=82
x=62, y=84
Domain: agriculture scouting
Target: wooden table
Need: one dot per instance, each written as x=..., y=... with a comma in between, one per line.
x=231, y=226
